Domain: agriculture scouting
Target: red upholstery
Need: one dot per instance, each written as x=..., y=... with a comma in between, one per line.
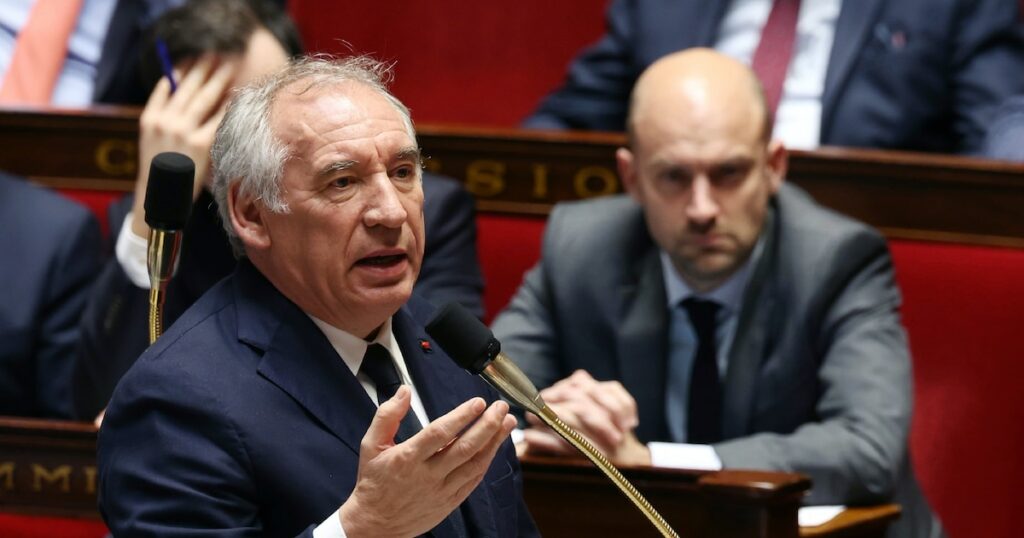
x=963, y=310
x=12, y=526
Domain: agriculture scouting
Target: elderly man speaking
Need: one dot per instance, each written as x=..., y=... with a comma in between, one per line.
x=301, y=395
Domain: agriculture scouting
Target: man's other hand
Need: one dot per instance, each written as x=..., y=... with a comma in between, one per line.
x=602, y=411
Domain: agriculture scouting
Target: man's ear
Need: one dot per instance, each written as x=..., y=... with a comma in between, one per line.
x=247, y=218
x=625, y=162
x=778, y=163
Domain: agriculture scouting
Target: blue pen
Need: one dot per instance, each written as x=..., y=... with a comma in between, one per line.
x=165, y=63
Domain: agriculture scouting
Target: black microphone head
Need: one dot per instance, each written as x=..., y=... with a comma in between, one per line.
x=463, y=337
x=169, y=191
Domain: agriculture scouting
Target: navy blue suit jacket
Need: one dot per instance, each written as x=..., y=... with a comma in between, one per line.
x=50, y=249
x=903, y=74
x=243, y=421
x=114, y=330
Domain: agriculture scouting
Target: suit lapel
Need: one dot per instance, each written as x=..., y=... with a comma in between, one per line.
x=642, y=344
x=443, y=386
x=299, y=359
x=852, y=30
x=752, y=337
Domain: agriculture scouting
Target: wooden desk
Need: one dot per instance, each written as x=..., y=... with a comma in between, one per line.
x=906, y=195
x=48, y=468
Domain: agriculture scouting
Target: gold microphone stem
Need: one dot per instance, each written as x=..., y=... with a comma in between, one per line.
x=161, y=253
x=156, y=313
x=575, y=439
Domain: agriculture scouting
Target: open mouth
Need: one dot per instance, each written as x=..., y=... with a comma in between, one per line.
x=381, y=261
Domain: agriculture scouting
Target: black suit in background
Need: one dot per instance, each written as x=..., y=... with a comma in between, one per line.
x=903, y=74
x=114, y=325
x=50, y=251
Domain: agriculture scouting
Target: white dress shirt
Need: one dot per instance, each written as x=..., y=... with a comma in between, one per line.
x=798, y=119
x=77, y=79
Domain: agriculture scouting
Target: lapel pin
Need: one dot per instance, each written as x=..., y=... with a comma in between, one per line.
x=425, y=346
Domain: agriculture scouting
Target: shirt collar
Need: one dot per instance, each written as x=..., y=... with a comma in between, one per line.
x=729, y=295
x=352, y=348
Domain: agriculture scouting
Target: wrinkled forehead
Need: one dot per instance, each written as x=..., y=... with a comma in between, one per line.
x=303, y=114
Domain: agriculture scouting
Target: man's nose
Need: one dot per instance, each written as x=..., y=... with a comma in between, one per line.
x=384, y=206
x=702, y=207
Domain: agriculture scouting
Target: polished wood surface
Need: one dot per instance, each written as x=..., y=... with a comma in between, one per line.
x=572, y=498
x=907, y=195
x=48, y=468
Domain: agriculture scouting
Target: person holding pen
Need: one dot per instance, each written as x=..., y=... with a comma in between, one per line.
x=214, y=46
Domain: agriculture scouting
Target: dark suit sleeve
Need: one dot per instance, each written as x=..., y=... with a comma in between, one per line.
x=988, y=45
x=451, y=270
x=854, y=450
x=181, y=469
x=70, y=278
x=113, y=329
x=1005, y=138
x=596, y=90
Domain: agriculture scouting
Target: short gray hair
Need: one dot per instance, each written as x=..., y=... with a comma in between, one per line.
x=247, y=151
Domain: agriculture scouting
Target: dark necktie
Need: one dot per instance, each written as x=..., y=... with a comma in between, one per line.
x=704, y=411
x=380, y=368
x=774, y=52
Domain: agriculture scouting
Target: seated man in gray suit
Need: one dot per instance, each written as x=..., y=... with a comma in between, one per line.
x=717, y=317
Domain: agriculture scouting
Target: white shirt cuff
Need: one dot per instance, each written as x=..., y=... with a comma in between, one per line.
x=684, y=456
x=131, y=252
x=330, y=528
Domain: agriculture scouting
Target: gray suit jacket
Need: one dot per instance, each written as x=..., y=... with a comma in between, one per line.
x=819, y=378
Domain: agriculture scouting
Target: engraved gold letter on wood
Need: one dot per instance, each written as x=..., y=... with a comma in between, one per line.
x=7, y=476
x=485, y=178
x=90, y=479
x=61, y=475
x=540, y=181
x=593, y=181
x=116, y=157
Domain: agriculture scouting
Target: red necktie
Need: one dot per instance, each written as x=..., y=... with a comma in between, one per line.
x=39, y=52
x=771, y=59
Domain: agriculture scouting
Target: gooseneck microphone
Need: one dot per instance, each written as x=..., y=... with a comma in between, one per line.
x=168, y=206
x=472, y=346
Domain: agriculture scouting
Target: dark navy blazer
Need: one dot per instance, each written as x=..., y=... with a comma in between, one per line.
x=242, y=420
x=903, y=74
x=49, y=254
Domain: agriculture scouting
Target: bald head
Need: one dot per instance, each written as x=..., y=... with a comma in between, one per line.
x=699, y=89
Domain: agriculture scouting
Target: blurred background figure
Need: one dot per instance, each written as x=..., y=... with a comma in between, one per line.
x=217, y=45
x=51, y=250
x=75, y=53
x=921, y=75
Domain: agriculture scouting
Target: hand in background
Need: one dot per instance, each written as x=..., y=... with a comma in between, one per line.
x=602, y=411
x=185, y=121
x=408, y=488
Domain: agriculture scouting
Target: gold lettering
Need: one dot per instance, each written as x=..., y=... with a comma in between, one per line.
x=61, y=474
x=7, y=476
x=116, y=157
x=485, y=178
x=90, y=479
x=540, y=181
x=583, y=182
